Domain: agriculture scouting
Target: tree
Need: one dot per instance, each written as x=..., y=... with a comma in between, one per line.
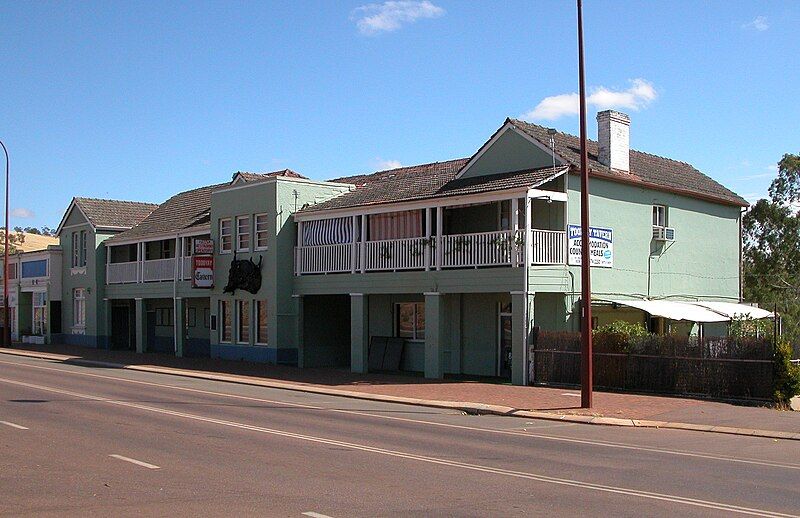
x=14, y=240
x=771, y=233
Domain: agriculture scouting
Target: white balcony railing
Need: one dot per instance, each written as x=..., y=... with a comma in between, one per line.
x=186, y=272
x=548, y=247
x=122, y=273
x=395, y=254
x=158, y=270
x=484, y=249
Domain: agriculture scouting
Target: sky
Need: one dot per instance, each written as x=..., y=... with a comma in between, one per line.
x=141, y=100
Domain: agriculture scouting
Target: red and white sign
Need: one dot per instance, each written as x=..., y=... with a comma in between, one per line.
x=202, y=271
x=203, y=247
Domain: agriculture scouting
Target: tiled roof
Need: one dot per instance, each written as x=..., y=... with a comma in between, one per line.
x=254, y=177
x=183, y=211
x=658, y=172
x=114, y=213
x=425, y=181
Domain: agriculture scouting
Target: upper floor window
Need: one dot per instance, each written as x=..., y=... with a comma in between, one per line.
x=225, y=236
x=262, y=235
x=79, y=248
x=242, y=233
x=34, y=269
x=659, y=216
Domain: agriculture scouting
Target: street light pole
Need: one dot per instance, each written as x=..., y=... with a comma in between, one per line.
x=6, y=319
x=586, y=289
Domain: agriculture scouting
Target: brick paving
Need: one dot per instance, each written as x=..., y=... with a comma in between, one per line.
x=549, y=399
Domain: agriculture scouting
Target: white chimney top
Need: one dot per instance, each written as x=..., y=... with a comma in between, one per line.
x=613, y=139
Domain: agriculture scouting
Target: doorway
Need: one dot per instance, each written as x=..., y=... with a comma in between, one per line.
x=121, y=328
x=504, y=341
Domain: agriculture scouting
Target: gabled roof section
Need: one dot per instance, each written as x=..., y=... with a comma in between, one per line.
x=435, y=180
x=244, y=176
x=109, y=214
x=185, y=211
x=650, y=171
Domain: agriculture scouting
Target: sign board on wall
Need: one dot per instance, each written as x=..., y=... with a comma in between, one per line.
x=601, y=246
x=202, y=271
x=203, y=246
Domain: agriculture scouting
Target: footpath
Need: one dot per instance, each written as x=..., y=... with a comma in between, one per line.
x=468, y=395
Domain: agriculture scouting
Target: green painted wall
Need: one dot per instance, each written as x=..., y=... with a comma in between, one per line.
x=511, y=152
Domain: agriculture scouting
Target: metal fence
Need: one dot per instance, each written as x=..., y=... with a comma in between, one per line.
x=736, y=368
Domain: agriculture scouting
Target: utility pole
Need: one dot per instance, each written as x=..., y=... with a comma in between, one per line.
x=6, y=312
x=586, y=288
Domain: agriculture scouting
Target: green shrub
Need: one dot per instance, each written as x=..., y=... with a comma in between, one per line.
x=618, y=336
x=785, y=375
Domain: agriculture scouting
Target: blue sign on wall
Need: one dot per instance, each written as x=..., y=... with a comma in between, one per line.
x=601, y=246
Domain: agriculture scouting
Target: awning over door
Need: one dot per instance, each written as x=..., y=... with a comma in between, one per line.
x=674, y=310
x=731, y=310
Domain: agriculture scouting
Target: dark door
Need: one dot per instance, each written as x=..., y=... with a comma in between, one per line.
x=505, y=345
x=150, y=343
x=120, y=328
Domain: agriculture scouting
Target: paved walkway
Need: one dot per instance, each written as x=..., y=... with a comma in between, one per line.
x=555, y=401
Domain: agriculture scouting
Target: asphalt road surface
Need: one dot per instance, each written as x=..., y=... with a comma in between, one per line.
x=79, y=440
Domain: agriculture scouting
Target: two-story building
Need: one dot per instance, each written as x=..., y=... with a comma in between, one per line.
x=436, y=268
x=86, y=224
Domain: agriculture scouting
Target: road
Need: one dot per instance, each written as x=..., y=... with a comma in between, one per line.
x=75, y=439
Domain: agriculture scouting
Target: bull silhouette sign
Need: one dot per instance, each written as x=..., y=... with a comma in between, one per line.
x=245, y=275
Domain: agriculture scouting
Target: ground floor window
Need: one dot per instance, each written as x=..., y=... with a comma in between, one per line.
x=39, y=313
x=261, y=315
x=243, y=319
x=225, y=324
x=410, y=320
x=79, y=307
x=164, y=317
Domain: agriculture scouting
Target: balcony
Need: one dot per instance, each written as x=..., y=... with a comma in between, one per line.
x=476, y=250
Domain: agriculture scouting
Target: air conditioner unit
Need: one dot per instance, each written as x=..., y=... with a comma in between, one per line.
x=663, y=233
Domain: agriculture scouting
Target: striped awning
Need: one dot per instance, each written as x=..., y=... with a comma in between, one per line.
x=331, y=231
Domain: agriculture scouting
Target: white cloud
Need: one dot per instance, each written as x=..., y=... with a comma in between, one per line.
x=21, y=212
x=759, y=23
x=640, y=94
x=383, y=165
x=389, y=16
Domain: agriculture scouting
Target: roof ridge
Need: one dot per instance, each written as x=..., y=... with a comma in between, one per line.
x=132, y=202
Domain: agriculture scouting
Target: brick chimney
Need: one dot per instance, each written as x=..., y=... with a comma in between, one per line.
x=613, y=139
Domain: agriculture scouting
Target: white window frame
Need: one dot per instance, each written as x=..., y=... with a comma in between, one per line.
x=239, y=234
x=258, y=324
x=84, y=247
x=222, y=236
x=39, y=326
x=76, y=251
x=660, y=215
x=222, y=304
x=259, y=232
x=79, y=307
x=239, y=304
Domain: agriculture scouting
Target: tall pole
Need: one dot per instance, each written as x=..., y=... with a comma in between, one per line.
x=586, y=288
x=6, y=312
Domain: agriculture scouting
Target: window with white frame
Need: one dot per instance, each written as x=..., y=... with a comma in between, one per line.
x=261, y=231
x=261, y=322
x=79, y=307
x=225, y=321
x=242, y=233
x=243, y=321
x=659, y=216
x=225, y=236
x=39, y=313
x=76, y=250
x=410, y=320
x=83, y=248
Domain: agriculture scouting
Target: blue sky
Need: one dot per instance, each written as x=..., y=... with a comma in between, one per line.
x=140, y=100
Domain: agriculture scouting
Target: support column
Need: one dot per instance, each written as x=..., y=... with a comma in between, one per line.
x=353, y=245
x=180, y=325
x=439, y=227
x=521, y=326
x=298, y=330
x=107, y=322
x=362, y=247
x=359, y=333
x=141, y=326
x=514, y=226
x=428, y=230
x=528, y=237
x=434, y=335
